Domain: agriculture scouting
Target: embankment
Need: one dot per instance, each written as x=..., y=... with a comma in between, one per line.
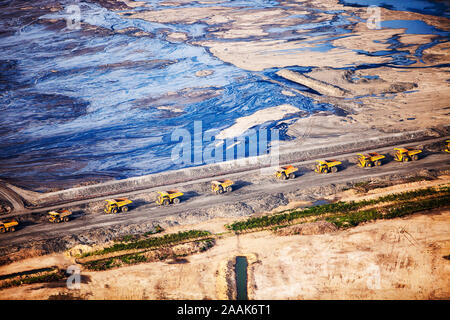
x=317, y=85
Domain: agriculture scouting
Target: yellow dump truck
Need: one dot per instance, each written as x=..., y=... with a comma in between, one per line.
x=117, y=205
x=325, y=166
x=447, y=148
x=168, y=197
x=221, y=186
x=287, y=172
x=370, y=159
x=8, y=225
x=406, y=154
x=59, y=216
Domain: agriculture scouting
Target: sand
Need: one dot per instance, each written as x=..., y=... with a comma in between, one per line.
x=259, y=117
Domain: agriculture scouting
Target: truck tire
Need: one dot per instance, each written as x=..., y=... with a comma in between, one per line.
x=166, y=202
x=12, y=229
x=378, y=163
x=176, y=200
x=114, y=210
x=2, y=230
x=405, y=159
x=334, y=169
x=283, y=176
x=369, y=164
x=124, y=209
x=291, y=175
x=219, y=191
x=415, y=157
x=229, y=189
x=66, y=219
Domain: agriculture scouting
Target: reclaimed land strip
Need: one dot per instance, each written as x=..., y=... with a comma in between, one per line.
x=173, y=251
x=348, y=214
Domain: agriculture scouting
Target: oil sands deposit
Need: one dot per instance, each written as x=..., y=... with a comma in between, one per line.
x=92, y=94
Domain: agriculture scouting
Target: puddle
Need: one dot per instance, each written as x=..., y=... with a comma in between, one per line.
x=419, y=6
x=413, y=27
x=320, y=202
x=241, y=278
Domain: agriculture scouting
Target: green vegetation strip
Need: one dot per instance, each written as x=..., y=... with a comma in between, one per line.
x=135, y=258
x=100, y=265
x=154, y=242
x=394, y=211
x=30, y=279
x=348, y=209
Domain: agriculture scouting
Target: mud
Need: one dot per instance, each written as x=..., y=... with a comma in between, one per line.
x=394, y=78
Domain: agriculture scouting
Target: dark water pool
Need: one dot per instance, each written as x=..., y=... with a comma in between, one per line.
x=241, y=278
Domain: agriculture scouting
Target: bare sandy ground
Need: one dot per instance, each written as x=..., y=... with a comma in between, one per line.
x=323, y=128
x=398, y=99
x=401, y=259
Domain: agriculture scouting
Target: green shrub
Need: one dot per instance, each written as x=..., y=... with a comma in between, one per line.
x=152, y=242
x=390, y=212
x=133, y=259
x=99, y=265
x=49, y=277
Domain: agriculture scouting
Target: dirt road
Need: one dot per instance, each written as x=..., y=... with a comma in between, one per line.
x=250, y=186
